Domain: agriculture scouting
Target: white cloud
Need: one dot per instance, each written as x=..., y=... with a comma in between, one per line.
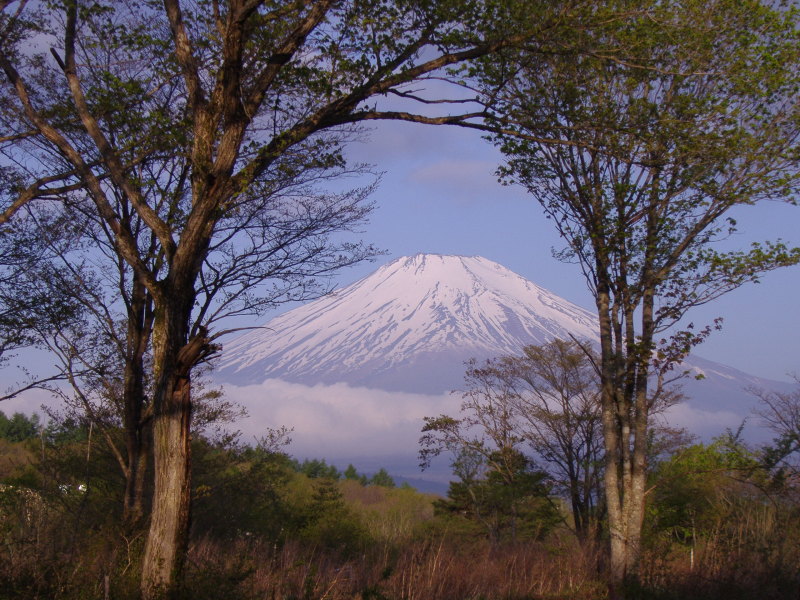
x=338, y=421
x=706, y=424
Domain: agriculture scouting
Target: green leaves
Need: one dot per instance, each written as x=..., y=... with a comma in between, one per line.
x=694, y=489
x=509, y=502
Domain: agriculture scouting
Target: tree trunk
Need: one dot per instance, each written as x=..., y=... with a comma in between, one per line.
x=624, y=483
x=614, y=493
x=169, y=523
x=137, y=444
x=136, y=480
x=137, y=430
x=167, y=538
x=624, y=362
x=612, y=438
x=173, y=360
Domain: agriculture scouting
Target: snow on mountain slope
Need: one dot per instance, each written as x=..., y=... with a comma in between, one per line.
x=409, y=326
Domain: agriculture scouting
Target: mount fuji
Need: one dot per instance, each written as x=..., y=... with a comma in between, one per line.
x=407, y=327
x=354, y=372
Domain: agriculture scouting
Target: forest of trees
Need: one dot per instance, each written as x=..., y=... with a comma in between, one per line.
x=167, y=166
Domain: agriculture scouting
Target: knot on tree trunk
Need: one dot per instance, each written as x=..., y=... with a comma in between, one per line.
x=197, y=349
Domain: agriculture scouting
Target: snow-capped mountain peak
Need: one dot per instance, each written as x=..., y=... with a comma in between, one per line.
x=407, y=326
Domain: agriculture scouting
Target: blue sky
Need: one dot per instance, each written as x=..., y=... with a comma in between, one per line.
x=439, y=194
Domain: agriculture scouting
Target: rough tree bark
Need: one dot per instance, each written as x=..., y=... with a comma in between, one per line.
x=135, y=424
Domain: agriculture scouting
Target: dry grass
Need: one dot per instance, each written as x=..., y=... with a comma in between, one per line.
x=446, y=569
x=438, y=568
x=420, y=571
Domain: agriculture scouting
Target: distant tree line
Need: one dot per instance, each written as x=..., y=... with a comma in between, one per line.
x=19, y=427
x=719, y=516
x=317, y=468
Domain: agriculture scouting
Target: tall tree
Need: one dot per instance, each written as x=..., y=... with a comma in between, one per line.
x=554, y=392
x=546, y=401
x=640, y=163
x=101, y=346
x=497, y=483
x=182, y=129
